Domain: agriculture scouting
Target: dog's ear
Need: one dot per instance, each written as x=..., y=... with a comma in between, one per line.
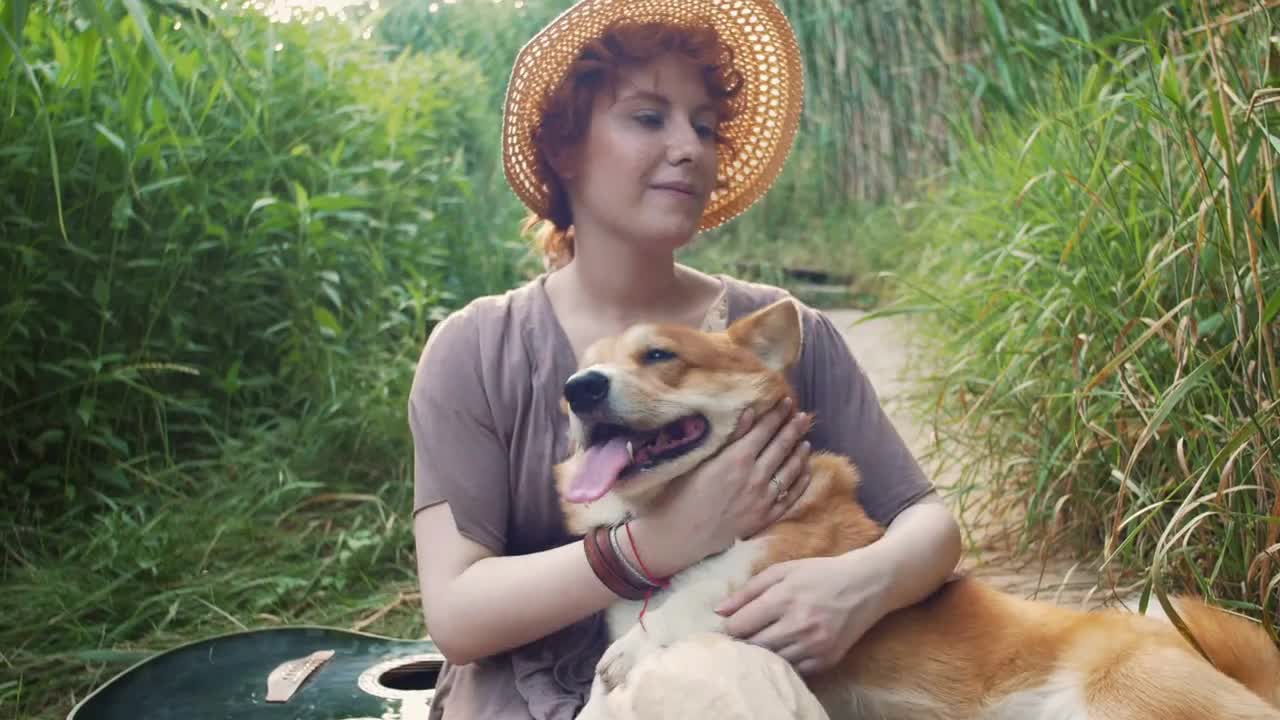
x=774, y=333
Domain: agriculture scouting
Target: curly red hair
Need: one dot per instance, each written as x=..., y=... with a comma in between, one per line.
x=567, y=114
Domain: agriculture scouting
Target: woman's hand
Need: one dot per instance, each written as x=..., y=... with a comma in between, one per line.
x=810, y=611
x=733, y=495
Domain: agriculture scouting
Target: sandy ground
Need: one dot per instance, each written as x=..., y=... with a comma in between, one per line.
x=883, y=347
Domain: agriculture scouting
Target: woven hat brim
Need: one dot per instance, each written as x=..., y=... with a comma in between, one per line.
x=762, y=133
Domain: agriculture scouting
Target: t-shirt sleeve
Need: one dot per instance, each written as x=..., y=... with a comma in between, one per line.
x=458, y=455
x=848, y=420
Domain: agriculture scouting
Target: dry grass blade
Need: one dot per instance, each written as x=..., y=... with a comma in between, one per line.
x=1129, y=350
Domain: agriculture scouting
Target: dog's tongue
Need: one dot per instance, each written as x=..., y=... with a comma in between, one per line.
x=598, y=471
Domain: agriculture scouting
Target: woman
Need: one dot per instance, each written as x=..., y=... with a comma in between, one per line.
x=625, y=139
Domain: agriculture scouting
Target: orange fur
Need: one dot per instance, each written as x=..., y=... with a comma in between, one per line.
x=967, y=648
x=1235, y=645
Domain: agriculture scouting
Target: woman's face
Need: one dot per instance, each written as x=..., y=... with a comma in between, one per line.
x=647, y=166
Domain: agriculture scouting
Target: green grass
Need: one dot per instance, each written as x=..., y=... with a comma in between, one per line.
x=200, y=232
x=226, y=240
x=256, y=538
x=886, y=80
x=890, y=89
x=1102, y=277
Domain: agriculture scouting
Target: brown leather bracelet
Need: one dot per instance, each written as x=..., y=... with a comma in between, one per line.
x=606, y=567
x=601, y=567
x=613, y=563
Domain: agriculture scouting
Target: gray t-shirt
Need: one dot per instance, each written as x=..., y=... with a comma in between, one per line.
x=487, y=429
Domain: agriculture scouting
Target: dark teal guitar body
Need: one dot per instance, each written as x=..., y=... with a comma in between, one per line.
x=314, y=673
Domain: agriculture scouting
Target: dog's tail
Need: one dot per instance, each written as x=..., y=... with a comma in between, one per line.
x=1237, y=646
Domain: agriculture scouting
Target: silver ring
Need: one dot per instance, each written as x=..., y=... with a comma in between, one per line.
x=782, y=492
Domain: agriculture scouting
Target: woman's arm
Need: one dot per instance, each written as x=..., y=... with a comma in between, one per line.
x=478, y=604
x=918, y=552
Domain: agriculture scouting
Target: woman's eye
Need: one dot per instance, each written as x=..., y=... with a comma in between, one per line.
x=649, y=119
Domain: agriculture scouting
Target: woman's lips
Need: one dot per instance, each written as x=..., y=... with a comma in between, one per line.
x=681, y=189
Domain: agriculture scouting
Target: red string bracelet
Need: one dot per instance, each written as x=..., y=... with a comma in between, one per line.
x=660, y=582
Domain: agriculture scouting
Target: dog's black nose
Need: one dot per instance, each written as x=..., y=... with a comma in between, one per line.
x=586, y=391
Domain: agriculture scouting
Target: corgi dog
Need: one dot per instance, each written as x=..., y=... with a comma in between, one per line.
x=649, y=405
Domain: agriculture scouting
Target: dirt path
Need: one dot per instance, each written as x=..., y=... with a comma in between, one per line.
x=883, y=348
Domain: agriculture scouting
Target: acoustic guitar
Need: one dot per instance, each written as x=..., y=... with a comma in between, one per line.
x=295, y=672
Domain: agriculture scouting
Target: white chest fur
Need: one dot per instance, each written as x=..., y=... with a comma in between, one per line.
x=688, y=604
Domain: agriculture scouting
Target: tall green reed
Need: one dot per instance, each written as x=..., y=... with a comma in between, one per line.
x=890, y=88
x=211, y=220
x=1104, y=270
x=225, y=241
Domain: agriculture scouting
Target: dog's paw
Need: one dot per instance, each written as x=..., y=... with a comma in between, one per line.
x=613, y=670
x=621, y=657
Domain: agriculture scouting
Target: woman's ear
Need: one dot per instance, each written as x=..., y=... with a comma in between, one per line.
x=564, y=162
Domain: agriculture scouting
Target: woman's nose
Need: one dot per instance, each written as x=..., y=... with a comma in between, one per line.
x=683, y=145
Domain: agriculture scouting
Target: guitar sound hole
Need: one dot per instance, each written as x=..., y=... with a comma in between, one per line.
x=421, y=675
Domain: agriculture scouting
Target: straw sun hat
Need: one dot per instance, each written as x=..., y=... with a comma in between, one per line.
x=765, y=53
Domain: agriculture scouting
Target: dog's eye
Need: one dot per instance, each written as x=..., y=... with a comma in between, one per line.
x=656, y=355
